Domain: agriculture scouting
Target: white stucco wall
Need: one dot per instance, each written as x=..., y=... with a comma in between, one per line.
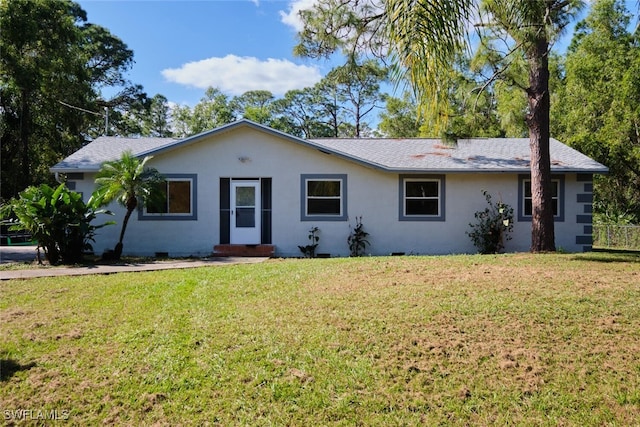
x=372, y=194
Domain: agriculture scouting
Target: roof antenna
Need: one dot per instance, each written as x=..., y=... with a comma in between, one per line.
x=106, y=115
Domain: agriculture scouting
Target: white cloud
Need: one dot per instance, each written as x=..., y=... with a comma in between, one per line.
x=236, y=75
x=292, y=17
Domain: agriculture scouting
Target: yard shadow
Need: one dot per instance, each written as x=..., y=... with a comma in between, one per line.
x=8, y=367
x=609, y=256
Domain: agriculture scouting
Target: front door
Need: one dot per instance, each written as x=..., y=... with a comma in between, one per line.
x=245, y=212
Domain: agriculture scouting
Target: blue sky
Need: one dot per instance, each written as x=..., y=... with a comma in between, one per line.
x=183, y=47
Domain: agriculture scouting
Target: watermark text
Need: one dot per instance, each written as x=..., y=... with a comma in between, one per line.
x=36, y=414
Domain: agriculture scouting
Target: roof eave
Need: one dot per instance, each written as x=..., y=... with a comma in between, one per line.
x=226, y=128
x=491, y=171
x=55, y=169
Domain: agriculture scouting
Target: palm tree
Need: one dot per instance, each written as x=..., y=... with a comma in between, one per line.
x=128, y=181
x=424, y=38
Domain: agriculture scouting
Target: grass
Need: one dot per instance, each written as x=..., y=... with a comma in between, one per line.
x=512, y=339
x=89, y=260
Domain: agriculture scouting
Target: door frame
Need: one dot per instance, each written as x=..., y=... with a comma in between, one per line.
x=245, y=235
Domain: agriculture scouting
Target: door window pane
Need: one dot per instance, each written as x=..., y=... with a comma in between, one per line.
x=245, y=217
x=245, y=196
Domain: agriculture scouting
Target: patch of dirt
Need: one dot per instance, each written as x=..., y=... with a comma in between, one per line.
x=300, y=375
x=73, y=334
x=13, y=314
x=150, y=400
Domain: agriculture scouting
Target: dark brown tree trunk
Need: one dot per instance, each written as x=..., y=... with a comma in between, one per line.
x=25, y=180
x=132, y=203
x=542, y=226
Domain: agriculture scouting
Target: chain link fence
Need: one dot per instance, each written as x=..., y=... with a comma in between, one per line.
x=616, y=236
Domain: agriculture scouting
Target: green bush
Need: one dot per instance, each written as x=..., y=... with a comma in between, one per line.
x=357, y=239
x=57, y=218
x=492, y=227
x=309, y=251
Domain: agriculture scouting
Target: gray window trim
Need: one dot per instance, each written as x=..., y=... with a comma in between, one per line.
x=527, y=218
x=441, y=197
x=323, y=177
x=144, y=216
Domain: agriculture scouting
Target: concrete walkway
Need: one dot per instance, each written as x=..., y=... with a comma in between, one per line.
x=9, y=254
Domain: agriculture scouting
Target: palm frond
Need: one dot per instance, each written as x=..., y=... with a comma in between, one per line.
x=427, y=35
x=125, y=178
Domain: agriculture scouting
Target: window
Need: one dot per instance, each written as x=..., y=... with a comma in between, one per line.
x=174, y=200
x=422, y=198
x=323, y=197
x=525, y=206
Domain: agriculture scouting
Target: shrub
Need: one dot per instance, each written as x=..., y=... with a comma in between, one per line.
x=357, y=239
x=57, y=218
x=493, y=226
x=309, y=251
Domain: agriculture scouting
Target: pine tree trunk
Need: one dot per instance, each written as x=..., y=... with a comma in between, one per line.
x=542, y=226
x=25, y=117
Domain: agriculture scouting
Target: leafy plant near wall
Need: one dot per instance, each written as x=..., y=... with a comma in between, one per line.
x=493, y=226
x=57, y=218
x=309, y=251
x=357, y=239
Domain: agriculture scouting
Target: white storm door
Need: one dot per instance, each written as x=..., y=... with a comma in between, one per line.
x=245, y=212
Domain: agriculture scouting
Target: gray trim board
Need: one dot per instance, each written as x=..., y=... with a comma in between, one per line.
x=584, y=240
x=584, y=219
x=585, y=198
x=225, y=210
x=265, y=210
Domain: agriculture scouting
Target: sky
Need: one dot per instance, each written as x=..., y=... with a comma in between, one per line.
x=181, y=47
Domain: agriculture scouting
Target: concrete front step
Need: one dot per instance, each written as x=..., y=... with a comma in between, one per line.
x=244, y=250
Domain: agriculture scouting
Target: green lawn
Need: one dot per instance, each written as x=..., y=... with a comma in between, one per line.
x=483, y=340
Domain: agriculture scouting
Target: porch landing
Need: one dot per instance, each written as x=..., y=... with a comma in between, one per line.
x=244, y=250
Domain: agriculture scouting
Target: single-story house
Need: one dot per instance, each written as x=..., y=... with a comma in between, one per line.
x=245, y=188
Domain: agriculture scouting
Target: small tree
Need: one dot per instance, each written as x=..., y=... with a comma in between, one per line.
x=357, y=239
x=57, y=218
x=128, y=181
x=494, y=224
x=309, y=250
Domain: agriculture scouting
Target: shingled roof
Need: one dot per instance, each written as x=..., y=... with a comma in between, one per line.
x=106, y=148
x=413, y=155
x=466, y=155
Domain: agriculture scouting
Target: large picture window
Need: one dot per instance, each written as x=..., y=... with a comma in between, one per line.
x=323, y=197
x=174, y=199
x=422, y=198
x=525, y=205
